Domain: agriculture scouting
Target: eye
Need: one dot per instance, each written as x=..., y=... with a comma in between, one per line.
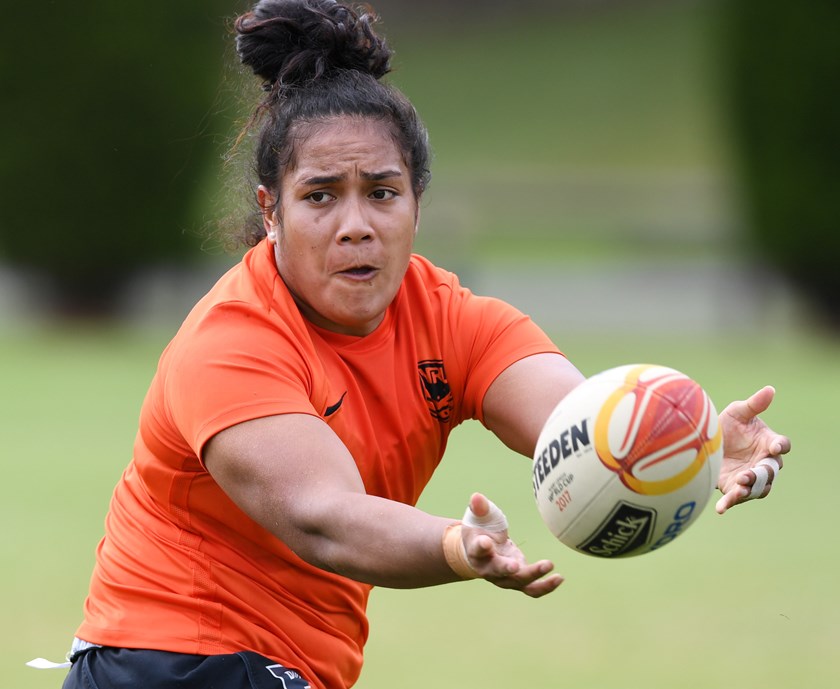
x=383, y=194
x=319, y=197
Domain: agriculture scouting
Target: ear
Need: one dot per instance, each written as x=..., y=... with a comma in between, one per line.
x=268, y=206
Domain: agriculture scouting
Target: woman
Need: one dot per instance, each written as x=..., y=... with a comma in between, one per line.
x=306, y=400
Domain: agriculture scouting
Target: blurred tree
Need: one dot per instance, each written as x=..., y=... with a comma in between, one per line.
x=108, y=121
x=782, y=75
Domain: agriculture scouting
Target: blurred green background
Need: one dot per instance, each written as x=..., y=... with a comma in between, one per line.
x=588, y=168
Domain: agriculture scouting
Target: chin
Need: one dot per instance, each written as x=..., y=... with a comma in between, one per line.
x=360, y=323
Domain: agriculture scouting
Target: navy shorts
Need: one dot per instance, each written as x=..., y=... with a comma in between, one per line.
x=127, y=668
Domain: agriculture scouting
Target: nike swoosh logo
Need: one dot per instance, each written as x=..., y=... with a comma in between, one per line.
x=333, y=408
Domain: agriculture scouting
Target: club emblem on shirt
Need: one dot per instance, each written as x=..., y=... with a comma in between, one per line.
x=436, y=388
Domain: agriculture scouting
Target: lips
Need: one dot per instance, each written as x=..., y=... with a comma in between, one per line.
x=361, y=272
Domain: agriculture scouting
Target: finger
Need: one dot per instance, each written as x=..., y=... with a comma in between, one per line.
x=483, y=514
x=542, y=587
x=485, y=557
x=479, y=504
x=761, y=479
x=760, y=401
x=764, y=473
x=756, y=404
x=752, y=484
x=481, y=548
x=780, y=445
x=731, y=498
x=532, y=579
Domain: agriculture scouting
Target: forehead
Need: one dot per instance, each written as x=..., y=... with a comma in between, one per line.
x=344, y=144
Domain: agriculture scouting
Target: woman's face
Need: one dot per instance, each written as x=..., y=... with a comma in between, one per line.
x=345, y=224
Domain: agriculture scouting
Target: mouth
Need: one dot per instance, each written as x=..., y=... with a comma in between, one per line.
x=362, y=272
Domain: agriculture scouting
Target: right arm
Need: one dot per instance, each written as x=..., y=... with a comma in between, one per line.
x=294, y=476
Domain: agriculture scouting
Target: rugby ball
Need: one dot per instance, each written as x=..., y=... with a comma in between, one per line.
x=627, y=461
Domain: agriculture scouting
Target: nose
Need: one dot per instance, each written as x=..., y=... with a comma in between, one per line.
x=355, y=225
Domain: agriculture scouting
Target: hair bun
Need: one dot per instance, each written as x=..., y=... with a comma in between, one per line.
x=291, y=42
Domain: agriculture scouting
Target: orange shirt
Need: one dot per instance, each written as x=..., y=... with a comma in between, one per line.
x=181, y=567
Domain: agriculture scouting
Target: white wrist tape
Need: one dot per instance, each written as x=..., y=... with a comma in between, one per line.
x=494, y=520
x=762, y=475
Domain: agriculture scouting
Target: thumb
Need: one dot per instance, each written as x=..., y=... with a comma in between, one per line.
x=756, y=404
x=483, y=514
x=479, y=505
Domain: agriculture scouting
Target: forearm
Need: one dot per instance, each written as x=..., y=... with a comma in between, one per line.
x=267, y=467
x=371, y=539
x=325, y=517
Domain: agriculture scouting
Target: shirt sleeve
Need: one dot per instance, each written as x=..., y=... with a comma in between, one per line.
x=234, y=366
x=490, y=335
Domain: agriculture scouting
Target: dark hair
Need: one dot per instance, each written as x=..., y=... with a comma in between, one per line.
x=320, y=59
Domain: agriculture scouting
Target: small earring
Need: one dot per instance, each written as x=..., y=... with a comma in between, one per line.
x=272, y=236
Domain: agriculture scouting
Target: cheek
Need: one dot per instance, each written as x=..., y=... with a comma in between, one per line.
x=301, y=245
x=293, y=257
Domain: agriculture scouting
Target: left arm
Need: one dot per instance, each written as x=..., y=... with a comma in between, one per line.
x=520, y=400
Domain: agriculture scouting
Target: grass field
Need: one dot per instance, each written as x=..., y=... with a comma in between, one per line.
x=595, y=137
x=744, y=600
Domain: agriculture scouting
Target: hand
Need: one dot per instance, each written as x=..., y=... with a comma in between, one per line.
x=497, y=559
x=747, y=440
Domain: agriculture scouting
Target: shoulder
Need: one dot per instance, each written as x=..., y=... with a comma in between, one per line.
x=421, y=271
x=248, y=299
x=443, y=291
x=247, y=318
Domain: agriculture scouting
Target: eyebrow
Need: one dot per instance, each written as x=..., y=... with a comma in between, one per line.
x=377, y=176
x=332, y=179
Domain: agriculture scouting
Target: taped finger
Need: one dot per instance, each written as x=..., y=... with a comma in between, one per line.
x=761, y=476
x=494, y=520
x=773, y=463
